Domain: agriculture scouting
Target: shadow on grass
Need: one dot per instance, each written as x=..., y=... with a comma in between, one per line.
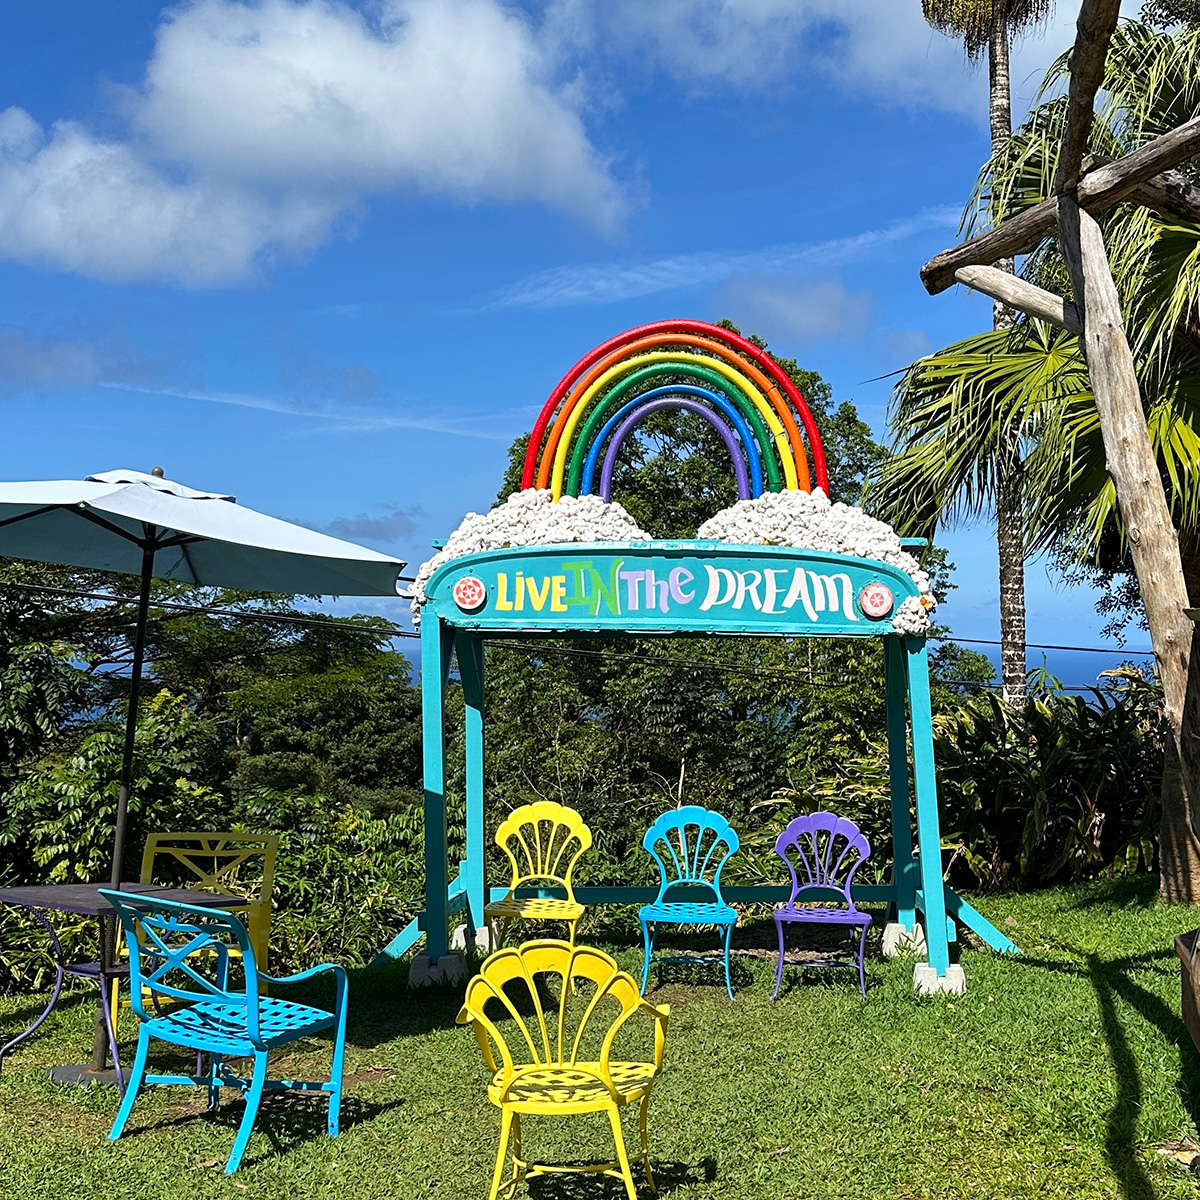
x=668, y=1176
x=19, y=1019
x=1132, y=891
x=699, y=971
x=1112, y=980
x=287, y=1118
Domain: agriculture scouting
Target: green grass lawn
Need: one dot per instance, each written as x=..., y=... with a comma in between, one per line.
x=1060, y=1072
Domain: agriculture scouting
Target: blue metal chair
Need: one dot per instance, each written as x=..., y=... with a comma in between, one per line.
x=179, y=986
x=696, y=842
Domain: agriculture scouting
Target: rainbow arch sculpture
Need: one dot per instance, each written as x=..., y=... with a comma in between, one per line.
x=683, y=364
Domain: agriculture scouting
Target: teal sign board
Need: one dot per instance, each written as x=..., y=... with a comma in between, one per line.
x=668, y=586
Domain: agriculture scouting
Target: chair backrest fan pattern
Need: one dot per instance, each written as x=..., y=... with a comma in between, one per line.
x=822, y=852
x=691, y=846
x=543, y=842
x=550, y=1026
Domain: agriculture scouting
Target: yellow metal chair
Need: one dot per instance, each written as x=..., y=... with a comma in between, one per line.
x=234, y=864
x=550, y=1073
x=543, y=842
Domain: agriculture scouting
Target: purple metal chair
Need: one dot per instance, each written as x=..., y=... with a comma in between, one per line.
x=822, y=852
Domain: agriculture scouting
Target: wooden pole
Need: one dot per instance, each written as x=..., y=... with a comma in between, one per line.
x=1015, y=292
x=1093, y=32
x=1149, y=528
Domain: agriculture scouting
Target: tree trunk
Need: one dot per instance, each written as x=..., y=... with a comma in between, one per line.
x=1153, y=544
x=1010, y=524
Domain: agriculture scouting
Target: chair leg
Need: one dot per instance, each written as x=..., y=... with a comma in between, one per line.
x=862, y=950
x=645, y=1107
x=518, y=1160
x=132, y=1084
x=614, y=1119
x=110, y=1024
x=506, y=1122
x=728, y=978
x=335, y=1070
x=214, y=1088
x=645, y=955
x=779, y=969
x=253, y=1096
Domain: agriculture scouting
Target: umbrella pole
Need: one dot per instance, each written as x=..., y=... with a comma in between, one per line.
x=135, y=687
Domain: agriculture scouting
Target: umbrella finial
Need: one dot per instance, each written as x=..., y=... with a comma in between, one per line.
x=157, y=472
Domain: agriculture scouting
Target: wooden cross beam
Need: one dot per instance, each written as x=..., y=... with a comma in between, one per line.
x=1142, y=176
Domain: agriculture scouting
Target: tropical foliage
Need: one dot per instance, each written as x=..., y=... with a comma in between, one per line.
x=951, y=407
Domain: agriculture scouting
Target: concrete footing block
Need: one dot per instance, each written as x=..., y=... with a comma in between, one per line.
x=420, y=971
x=927, y=982
x=449, y=969
x=900, y=939
x=482, y=943
x=452, y=967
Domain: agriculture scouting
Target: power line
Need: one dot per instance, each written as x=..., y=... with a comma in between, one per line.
x=949, y=637
x=251, y=614
x=394, y=630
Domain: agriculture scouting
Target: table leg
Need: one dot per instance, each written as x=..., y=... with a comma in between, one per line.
x=106, y=1034
x=58, y=982
x=104, y=1037
x=100, y=1035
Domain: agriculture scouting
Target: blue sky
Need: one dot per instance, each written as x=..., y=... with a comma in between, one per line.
x=331, y=257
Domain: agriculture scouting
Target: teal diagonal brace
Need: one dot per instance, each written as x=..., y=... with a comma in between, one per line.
x=975, y=921
x=407, y=938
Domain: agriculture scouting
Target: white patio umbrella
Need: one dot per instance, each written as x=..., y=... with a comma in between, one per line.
x=146, y=525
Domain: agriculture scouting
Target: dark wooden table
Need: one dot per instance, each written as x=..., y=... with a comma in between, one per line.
x=84, y=899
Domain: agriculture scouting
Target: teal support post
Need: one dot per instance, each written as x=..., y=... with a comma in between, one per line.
x=469, y=651
x=929, y=834
x=904, y=870
x=436, y=644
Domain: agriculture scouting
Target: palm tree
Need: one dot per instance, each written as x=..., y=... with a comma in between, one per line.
x=950, y=408
x=987, y=27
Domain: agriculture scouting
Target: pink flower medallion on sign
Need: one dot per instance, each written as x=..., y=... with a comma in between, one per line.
x=876, y=600
x=469, y=593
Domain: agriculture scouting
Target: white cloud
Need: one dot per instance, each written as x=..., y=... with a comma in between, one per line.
x=879, y=49
x=608, y=283
x=797, y=314
x=335, y=416
x=30, y=362
x=392, y=526
x=260, y=123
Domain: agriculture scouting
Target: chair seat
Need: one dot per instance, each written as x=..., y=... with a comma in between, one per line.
x=689, y=914
x=535, y=908
x=824, y=916
x=551, y=1088
x=221, y=1028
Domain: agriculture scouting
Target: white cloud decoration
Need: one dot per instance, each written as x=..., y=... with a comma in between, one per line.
x=802, y=519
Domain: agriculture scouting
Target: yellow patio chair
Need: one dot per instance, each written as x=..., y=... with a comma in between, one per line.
x=234, y=864
x=540, y=840
x=561, y=1060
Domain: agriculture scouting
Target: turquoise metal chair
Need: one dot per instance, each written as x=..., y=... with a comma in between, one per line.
x=179, y=986
x=690, y=845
